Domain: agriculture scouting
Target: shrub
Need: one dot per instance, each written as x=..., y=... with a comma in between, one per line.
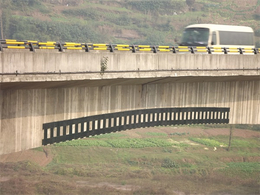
x=168, y=163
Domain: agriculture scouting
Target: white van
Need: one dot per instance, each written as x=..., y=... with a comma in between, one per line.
x=214, y=35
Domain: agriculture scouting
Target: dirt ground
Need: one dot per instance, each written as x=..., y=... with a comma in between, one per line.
x=43, y=159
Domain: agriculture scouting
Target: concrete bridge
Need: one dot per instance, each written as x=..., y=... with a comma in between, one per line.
x=45, y=86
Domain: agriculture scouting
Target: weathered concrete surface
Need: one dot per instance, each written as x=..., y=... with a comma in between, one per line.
x=47, y=86
x=25, y=111
x=43, y=65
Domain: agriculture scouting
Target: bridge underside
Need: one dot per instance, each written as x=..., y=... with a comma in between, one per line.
x=25, y=110
x=122, y=81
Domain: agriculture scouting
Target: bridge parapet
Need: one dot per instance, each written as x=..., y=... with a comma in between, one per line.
x=45, y=65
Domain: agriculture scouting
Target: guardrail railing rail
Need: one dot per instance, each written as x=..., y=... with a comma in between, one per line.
x=62, y=46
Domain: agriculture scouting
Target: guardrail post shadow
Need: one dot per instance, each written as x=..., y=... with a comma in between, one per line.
x=209, y=50
x=111, y=48
x=31, y=47
x=86, y=48
x=60, y=47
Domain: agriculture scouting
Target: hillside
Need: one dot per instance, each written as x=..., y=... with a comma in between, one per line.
x=119, y=21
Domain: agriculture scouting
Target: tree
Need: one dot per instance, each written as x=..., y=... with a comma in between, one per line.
x=257, y=13
x=190, y=3
x=5, y=23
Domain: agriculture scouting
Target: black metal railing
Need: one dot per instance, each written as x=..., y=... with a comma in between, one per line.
x=59, y=131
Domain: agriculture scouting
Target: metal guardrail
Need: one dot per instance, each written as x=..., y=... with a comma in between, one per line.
x=62, y=46
x=59, y=131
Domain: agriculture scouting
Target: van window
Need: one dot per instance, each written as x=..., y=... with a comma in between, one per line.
x=236, y=38
x=195, y=37
x=214, y=38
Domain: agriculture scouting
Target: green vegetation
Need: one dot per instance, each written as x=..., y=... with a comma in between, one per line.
x=243, y=169
x=132, y=22
x=207, y=142
x=118, y=143
x=141, y=160
x=177, y=133
x=156, y=134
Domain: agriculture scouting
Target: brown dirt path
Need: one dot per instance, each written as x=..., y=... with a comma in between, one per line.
x=38, y=157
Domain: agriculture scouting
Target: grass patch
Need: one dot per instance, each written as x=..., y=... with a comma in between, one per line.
x=155, y=134
x=244, y=143
x=84, y=142
x=249, y=167
x=110, y=135
x=180, y=134
x=239, y=142
x=182, y=145
x=118, y=143
x=139, y=143
x=249, y=127
x=243, y=169
x=207, y=141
